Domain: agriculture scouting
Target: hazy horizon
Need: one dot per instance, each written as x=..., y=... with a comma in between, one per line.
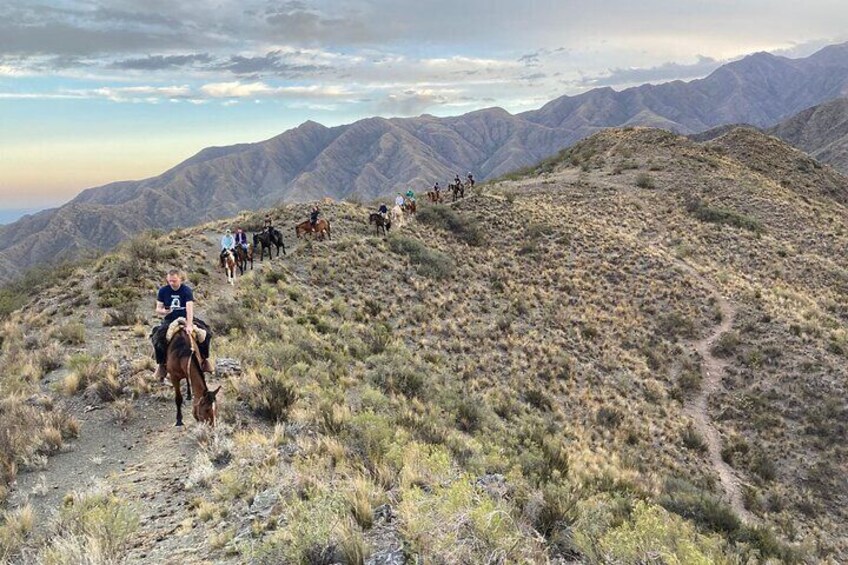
x=99, y=92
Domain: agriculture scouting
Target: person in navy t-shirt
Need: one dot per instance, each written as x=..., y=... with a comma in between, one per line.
x=176, y=300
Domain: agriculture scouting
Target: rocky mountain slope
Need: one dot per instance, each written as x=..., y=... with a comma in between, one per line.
x=376, y=156
x=636, y=349
x=821, y=131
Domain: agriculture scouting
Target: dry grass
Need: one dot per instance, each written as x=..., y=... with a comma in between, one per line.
x=523, y=400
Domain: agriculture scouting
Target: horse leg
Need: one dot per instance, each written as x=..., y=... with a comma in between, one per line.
x=178, y=400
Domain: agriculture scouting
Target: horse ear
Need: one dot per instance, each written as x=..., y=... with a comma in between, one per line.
x=216, y=391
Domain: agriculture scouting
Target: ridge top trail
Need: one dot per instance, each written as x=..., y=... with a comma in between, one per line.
x=712, y=369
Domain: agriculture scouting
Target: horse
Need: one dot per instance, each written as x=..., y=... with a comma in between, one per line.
x=434, y=196
x=409, y=206
x=458, y=190
x=182, y=363
x=397, y=216
x=266, y=240
x=230, y=266
x=321, y=227
x=381, y=222
x=244, y=256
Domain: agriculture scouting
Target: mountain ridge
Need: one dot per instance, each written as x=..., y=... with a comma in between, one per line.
x=375, y=157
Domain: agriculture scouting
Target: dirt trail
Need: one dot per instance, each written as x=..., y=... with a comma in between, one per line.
x=146, y=462
x=712, y=369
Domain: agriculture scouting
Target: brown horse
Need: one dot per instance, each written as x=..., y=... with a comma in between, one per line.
x=321, y=227
x=243, y=257
x=409, y=206
x=434, y=196
x=458, y=190
x=182, y=363
x=383, y=224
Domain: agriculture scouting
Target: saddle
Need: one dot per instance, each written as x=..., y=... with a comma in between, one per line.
x=178, y=324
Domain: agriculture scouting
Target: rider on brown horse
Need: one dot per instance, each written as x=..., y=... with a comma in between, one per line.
x=313, y=217
x=175, y=300
x=241, y=238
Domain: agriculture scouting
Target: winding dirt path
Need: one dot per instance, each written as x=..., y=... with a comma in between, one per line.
x=712, y=369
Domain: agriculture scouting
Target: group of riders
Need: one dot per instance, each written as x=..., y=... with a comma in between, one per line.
x=176, y=299
x=407, y=202
x=230, y=241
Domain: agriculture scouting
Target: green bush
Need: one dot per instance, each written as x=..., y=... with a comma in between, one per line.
x=431, y=263
x=446, y=218
x=702, y=211
x=273, y=397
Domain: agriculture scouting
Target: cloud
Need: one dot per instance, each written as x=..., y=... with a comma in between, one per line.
x=236, y=89
x=270, y=63
x=160, y=62
x=667, y=71
x=414, y=102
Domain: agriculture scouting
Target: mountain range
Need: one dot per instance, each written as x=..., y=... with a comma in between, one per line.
x=376, y=156
x=821, y=131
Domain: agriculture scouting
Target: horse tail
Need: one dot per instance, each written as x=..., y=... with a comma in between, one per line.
x=328, y=229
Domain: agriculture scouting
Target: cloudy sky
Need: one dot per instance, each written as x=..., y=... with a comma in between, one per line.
x=94, y=91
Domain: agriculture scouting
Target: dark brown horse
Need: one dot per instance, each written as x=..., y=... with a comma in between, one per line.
x=383, y=224
x=245, y=256
x=320, y=228
x=264, y=240
x=182, y=363
x=409, y=206
x=458, y=190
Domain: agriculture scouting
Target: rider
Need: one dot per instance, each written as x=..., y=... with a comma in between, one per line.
x=437, y=189
x=228, y=243
x=470, y=178
x=384, y=210
x=410, y=195
x=313, y=216
x=399, y=200
x=241, y=238
x=180, y=303
x=266, y=226
x=456, y=180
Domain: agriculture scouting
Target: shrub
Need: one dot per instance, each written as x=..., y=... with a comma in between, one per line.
x=72, y=333
x=431, y=263
x=653, y=534
x=124, y=315
x=466, y=229
x=726, y=344
x=644, y=180
x=94, y=526
x=701, y=211
x=273, y=396
x=703, y=508
x=693, y=440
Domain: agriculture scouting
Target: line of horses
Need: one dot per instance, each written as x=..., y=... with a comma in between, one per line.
x=269, y=239
x=457, y=190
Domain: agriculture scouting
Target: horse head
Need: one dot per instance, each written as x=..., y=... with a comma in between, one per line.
x=205, y=409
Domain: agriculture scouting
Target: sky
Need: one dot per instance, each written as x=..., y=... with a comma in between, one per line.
x=98, y=91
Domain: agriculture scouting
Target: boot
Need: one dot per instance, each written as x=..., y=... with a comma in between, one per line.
x=161, y=373
x=206, y=367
